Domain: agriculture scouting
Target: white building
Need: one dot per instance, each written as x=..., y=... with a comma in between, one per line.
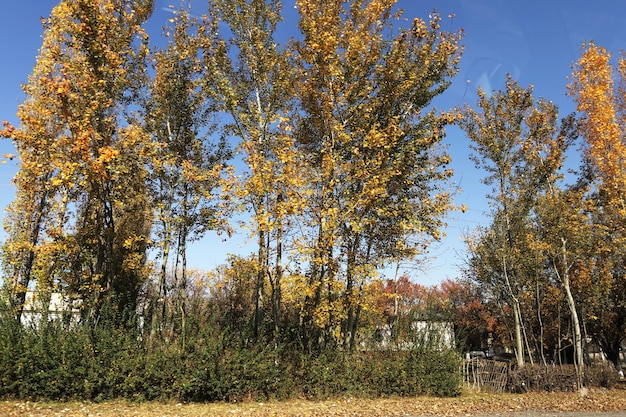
x=58, y=308
x=436, y=334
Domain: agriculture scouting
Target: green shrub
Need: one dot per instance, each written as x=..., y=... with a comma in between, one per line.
x=435, y=372
x=380, y=373
x=57, y=362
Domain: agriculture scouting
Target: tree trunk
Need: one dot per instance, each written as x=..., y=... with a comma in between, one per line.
x=517, y=313
x=278, y=276
x=541, y=328
x=259, y=283
x=159, y=302
x=578, y=345
x=348, y=306
x=519, y=342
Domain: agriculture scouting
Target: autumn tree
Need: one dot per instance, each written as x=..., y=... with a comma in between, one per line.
x=558, y=237
x=25, y=221
x=599, y=89
x=231, y=290
x=397, y=302
x=249, y=77
x=185, y=165
x=564, y=237
x=602, y=106
x=516, y=142
x=88, y=219
x=376, y=173
x=462, y=303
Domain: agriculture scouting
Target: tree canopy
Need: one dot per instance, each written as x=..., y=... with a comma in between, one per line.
x=326, y=150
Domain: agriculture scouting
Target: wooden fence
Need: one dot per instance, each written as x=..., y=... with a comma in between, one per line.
x=485, y=374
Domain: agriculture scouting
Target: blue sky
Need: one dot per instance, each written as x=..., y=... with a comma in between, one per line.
x=535, y=41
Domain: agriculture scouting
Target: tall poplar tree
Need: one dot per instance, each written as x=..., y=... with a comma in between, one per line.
x=249, y=77
x=599, y=89
x=376, y=173
x=84, y=157
x=186, y=164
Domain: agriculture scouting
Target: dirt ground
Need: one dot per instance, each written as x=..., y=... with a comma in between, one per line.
x=595, y=403
x=555, y=414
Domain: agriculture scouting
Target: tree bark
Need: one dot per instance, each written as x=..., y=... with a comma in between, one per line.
x=578, y=345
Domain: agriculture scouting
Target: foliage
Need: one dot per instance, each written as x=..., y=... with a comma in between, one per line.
x=519, y=144
x=598, y=88
x=376, y=186
x=81, y=185
x=56, y=362
x=338, y=170
x=545, y=263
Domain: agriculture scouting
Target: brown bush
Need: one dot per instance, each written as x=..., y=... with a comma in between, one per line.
x=603, y=375
x=559, y=378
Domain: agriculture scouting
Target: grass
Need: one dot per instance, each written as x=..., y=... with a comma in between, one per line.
x=470, y=403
